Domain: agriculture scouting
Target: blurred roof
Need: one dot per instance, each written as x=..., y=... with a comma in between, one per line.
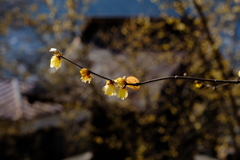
x=10, y=99
x=14, y=106
x=122, y=8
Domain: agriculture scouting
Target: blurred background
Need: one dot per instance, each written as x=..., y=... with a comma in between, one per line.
x=49, y=115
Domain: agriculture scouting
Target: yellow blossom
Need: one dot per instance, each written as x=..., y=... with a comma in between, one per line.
x=122, y=93
x=86, y=75
x=109, y=89
x=55, y=62
x=121, y=81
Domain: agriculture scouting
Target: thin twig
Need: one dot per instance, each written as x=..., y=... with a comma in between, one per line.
x=100, y=76
x=72, y=62
x=187, y=78
x=164, y=78
x=88, y=70
x=222, y=85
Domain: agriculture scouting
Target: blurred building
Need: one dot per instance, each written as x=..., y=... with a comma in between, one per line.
x=15, y=105
x=33, y=128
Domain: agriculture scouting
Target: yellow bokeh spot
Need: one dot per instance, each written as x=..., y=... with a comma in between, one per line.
x=98, y=140
x=197, y=126
x=198, y=85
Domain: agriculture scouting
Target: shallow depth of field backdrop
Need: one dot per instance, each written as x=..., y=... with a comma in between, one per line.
x=50, y=114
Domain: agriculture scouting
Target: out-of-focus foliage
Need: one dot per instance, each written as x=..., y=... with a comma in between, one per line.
x=175, y=121
x=185, y=119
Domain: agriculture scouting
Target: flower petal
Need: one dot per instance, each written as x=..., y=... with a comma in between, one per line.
x=133, y=80
x=55, y=62
x=109, y=89
x=120, y=81
x=122, y=93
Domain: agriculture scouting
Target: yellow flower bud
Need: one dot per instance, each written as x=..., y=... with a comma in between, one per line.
x=133, y=80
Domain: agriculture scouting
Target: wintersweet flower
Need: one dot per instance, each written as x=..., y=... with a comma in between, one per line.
x=121, y=82
x=109, y=89
x=122, y=93
x=55, y=62
x=86, y=75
